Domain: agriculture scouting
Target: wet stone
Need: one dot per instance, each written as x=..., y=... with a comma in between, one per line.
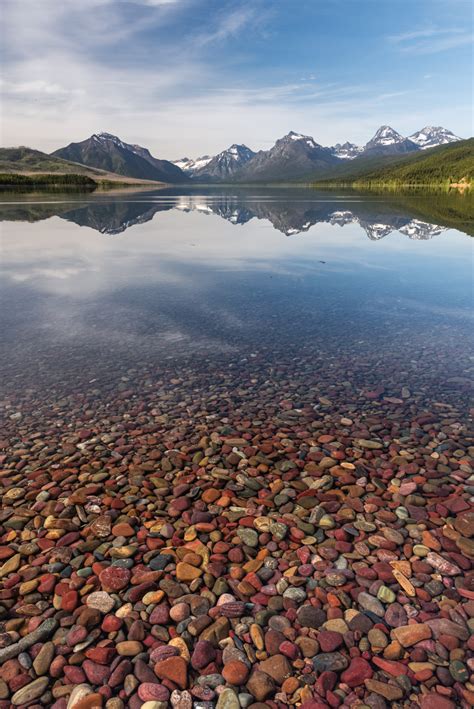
x=236, y=531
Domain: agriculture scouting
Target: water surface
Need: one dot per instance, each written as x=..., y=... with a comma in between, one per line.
x=322, y=294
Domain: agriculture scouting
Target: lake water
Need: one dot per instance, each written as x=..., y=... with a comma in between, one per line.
x=332, y=293
x=272, y=387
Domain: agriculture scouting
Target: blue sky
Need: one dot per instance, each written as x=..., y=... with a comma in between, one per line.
x=188, y=77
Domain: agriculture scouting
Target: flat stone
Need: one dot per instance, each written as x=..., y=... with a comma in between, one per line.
x=332, y=661
x=390, y=692
x=277, y=667
x=311, y=617
x=101, y=601
x=260, y=685
x=174, y=669
x=408, y=635
x=30, y=691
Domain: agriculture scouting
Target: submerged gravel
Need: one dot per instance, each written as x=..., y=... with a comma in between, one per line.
x=239, y=532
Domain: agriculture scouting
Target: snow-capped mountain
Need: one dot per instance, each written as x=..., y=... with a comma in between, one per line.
x=346, y=151
x=431, y=136
x=387, y=141
x=189, y=166
x=225, y=164
x=295, y=156
x=108, y=152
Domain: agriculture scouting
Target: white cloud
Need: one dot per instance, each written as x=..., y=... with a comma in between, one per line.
x=95, y=72
x=431, y=40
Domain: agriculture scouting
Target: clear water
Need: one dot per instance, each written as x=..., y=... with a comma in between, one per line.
x=244, y=298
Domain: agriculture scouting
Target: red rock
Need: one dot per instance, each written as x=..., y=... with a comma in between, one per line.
x=111, y=623
x=102, y=655
x=390, y=666
x=358, y=671
x=174, y=669
x=436, y=701
x=69, y=601
x=203, y=654
x=123, y=529
x=114, y=578
x=95, y=673
x=235, y=673
x=290, y=650
x=149, y=692
x=329, y=640
x=74, y=675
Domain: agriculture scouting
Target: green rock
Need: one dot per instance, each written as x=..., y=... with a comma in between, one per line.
x=386, y=595
x=248, y=536
x=459, y=671
x=278, y=530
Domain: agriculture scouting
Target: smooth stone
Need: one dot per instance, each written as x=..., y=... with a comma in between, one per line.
x=30, y=691
x=101, y=601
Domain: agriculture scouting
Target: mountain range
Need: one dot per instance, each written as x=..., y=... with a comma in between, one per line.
x=294, y=157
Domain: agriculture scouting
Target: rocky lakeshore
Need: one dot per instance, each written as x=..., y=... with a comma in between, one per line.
x=238, y=534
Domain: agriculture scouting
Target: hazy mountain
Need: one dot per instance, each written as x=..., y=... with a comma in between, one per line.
x=346, y=151
x=188, y=165
x=108, y=152
x=431, y=136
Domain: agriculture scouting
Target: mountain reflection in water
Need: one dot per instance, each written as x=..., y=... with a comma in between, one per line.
x=379, y=216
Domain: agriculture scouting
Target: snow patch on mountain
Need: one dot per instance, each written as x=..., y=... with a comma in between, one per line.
x=431, y=136
x=189, y=165
x=346, y=151
x=387, y=136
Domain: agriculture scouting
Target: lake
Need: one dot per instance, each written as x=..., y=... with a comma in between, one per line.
x=241, y=412
x=356, y=288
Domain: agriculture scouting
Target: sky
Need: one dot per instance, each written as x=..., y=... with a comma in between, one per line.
x=191, y=77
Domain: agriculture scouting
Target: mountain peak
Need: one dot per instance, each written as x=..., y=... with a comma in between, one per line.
x=386, y=135
x=108, y=152
x=238, y=152
x=104, y=136
x=431, y=136
x=346, y=151
x=292, y=137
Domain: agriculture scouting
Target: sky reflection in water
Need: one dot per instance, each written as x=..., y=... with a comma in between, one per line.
x=170, y=273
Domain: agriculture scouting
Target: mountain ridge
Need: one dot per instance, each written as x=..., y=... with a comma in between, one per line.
x=296, y=156
x=28, y=161
x=106, y=151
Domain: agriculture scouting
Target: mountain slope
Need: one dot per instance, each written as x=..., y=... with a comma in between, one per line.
x=292, y=157
x=26, y=161
x=444, y=164
x=108, y=152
